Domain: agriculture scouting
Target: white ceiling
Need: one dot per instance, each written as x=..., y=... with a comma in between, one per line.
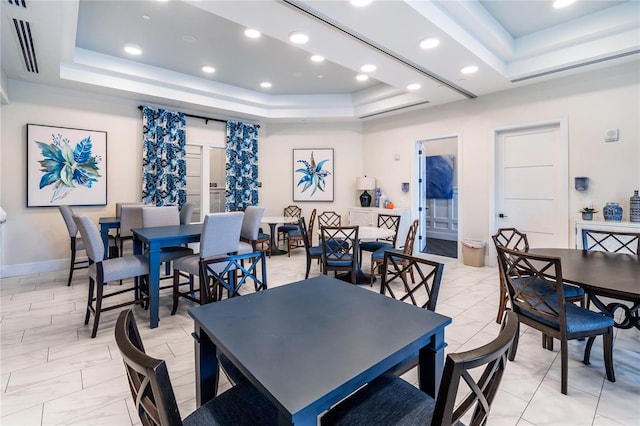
x=79, y=44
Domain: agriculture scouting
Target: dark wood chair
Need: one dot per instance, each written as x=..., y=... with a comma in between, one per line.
x=513, y=239
x=389, y=400
x=312, y=252
x=329, y=218
x=536, y=291
x=283, y=230
x=377, y=257
x=340, y=249
x=616, y=242
x=155, y=401
x=295, y=238
x=77, y=243
x=103, y=271
x=386, y=221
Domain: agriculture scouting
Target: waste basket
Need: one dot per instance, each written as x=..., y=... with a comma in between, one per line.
x=473, y=252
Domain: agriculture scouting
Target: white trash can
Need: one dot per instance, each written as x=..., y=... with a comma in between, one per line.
x=473, y=252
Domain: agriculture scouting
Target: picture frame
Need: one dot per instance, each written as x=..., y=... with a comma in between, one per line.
x=313, y=177
x=66, y=166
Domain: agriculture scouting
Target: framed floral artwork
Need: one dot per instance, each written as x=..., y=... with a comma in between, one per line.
x=66, y=166
x=313, y=174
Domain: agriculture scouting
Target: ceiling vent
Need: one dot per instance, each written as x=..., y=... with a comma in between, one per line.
x=23, y=34
x=387, y=111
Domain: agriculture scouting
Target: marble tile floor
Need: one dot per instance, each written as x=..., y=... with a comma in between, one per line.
x=53, y=373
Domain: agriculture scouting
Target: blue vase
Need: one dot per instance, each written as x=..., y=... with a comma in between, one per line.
x=612, y=212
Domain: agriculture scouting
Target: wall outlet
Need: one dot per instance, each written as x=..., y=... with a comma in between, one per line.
x=611, y=135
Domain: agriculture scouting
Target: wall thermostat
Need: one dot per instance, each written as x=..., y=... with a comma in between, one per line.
x=611, y=135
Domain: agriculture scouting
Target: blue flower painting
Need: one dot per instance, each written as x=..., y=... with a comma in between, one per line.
x=439, y=176
x=69, y=166
x=314, y=180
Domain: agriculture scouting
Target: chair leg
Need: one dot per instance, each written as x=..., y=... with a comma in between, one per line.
x=564, y=371
x=91, y=289
x=514, y=345
x=306, y=276
x=73, y=261
x=96, y=319
x=607, y=347
x=587, y=350
x=176, y=287
x=502, y=303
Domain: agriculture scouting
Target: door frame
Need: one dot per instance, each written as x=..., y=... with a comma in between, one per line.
x=563, y=124
x=418, y=186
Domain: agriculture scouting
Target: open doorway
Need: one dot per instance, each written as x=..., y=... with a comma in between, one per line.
x=438, y=199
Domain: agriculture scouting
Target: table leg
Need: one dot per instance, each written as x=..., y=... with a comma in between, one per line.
x=104, y=233
x=154, y=286
x=207, y=373
x=431, y=364
x=275, y=251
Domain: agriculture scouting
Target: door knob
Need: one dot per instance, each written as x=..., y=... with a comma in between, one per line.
x=502, y=215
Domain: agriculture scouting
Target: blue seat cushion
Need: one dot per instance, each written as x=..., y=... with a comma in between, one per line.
x=388, y=400
x=295, y=233
x=339, y=262
x=379, y=254
x=573, y=291
x=287, y=228
x=242, y=405
x=315, y=251
x=263, y=236
x=375, y=245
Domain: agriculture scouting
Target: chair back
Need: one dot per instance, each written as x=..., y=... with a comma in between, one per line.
x=186, y=212
x=492, y=359
x=292, y=211
x=130, y=217
x=339, y=246
x=534, y=284
x=160, y=216
x=91, y=237
x=148, y=377
x=131, y=203
x=424, y=292
x=329, y=218
x=510, y=238
x=251, y=223
x=312, y=220
x=616, y=242
x=221, y=233
x=411, y=238
x=67, y=215
x=389, y=221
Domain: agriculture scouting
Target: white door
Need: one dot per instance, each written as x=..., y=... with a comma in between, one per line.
x=194, y=179
x=532, y=183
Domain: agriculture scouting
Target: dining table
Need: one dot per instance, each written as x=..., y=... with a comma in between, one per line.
x=307, y=345
x=603, y=274
x=106, y=224
x=153, y=239
x=272, y=221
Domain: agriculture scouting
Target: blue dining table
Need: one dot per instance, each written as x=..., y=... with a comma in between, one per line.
x=309, y=344
x=153, y=239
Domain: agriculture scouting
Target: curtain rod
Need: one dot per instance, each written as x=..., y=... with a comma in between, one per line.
x=206, y=119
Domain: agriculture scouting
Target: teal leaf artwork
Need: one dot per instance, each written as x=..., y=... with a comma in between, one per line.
x=313, y=176
x=65, y=167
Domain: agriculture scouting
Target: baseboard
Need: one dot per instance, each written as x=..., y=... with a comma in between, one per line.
x=35, y=268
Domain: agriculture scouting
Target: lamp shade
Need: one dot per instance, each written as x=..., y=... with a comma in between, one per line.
x=365, y=183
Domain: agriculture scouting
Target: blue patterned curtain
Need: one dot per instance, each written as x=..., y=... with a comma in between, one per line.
x=164, y=170
x=241, y=187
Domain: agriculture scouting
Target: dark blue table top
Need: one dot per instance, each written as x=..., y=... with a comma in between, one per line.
x=309, y=342
x=167, y=233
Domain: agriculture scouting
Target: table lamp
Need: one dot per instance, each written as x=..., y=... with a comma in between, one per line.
x=364, y=184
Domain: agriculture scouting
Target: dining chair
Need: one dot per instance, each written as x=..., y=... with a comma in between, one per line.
x=312, y=252
x=513, y=239
x=102, y=272
x=387, y=221
x=609, y=241
x=77, y=243
x=377, y=257
x=186, y=213
x=251, y=236
x=154, y=399
x=329, y=218
x=283, y=230
x=475, y=375
x=128, y=203
x=537, y=295
x=340, y=249
x=130, y=217
x=294, y=237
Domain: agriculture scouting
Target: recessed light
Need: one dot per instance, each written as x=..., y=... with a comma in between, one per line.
x=251, y=33
x=559, y=4
x=429, y=43
x=469, y=70
x=132, y=49
x=320, y=76
x=368, y=68
x=265, y=85
x=362, y=77
x=317, y=58
x=146, y=17
x=413, y=86
x=298, y=37
x=360, y=3
x=208, y=69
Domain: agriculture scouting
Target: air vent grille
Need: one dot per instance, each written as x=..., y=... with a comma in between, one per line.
x=23, y=33
x=18, y=3
x=387, y=111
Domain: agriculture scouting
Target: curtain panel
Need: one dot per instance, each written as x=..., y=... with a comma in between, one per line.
x=241, y=186
x=164, y=170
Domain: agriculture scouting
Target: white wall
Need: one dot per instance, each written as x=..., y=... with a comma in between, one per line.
x=592, y=102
